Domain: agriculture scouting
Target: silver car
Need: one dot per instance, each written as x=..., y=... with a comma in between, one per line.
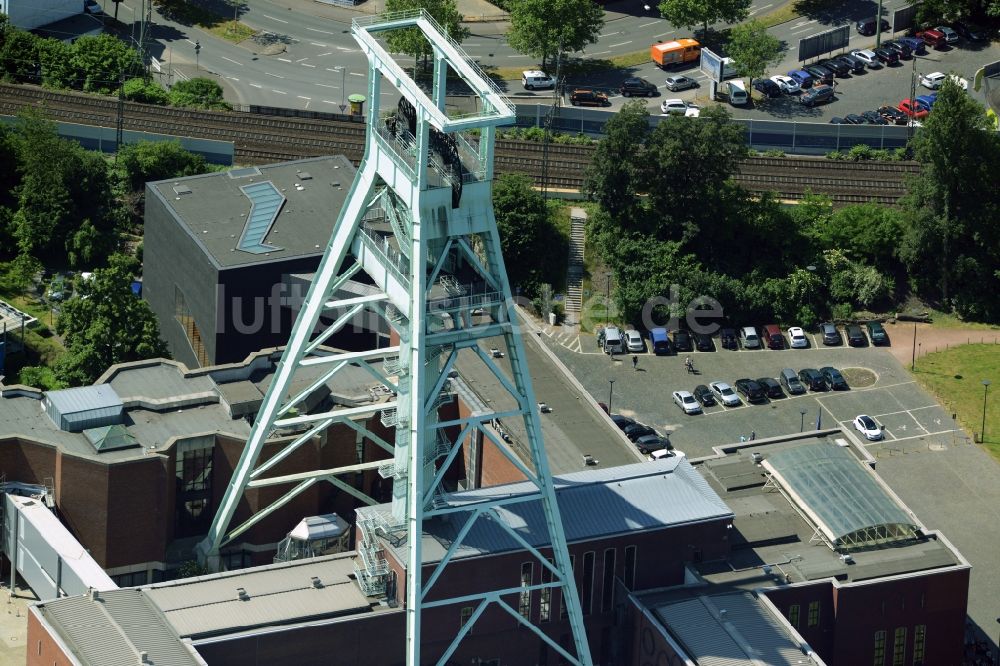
x=725, y=394
x=679, y=82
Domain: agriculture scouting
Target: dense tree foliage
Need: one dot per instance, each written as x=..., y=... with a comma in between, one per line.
x=410, y=40
x=145, y=92
x=105, y=323
x=528, y=238
x=689, y=13
x=198, y=93
x=148, y=161
x=753, y=49
x=545, y=28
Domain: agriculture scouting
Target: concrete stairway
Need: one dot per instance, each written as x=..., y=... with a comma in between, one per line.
x=574, y=276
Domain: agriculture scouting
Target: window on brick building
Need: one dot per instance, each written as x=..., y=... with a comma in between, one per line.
x=813, y=619
x=899, y=647
x=524, y=602
x=587, y=589
x=793, y=615
x=563, y=614
x=608, y=585
x=879, y=659
x=545, y=596
x=193, y=472
x=919, y=643
x=631, y=554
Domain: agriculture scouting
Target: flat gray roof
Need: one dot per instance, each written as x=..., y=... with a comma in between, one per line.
x=593, y=504
x=213, y=209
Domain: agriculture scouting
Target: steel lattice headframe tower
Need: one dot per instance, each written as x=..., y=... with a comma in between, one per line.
x=419, y=222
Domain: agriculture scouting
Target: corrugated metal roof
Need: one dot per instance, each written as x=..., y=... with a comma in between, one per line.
x=732, y=629
x=839, y=492
x=84, y=399
x=112, y=630
x=593, y=504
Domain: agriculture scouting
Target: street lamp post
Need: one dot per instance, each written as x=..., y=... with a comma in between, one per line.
x=197, y=59
x=802, y=420
x=611, y=393
x=913, y=359
x=982, y=430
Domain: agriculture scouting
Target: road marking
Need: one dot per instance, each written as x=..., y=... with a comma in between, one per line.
x=301, y=59
x=274, y=19
x=333, y=69
x=608, y=34
x=305, y=64
x=467, y=44
x=325, y=32
x=318, y=44
x=232, y=78
x=256, y=85
x=324, y=85
x=802, y=23
x=518, y=55
x=284, y=59
x=760, y=9
x=301, y=97
x=343, y=48
x=646, y=25
x=277, y=76
x=324, y=54
x=592, y=54
x=622, y=44
x=354, y=74
x=279, y=92
x=929, y=434
x=235, y=62
x=189, y=42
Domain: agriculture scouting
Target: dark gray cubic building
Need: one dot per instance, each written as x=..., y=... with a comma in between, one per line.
x=225, y=253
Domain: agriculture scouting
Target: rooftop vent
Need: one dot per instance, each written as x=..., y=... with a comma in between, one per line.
x=317, y=583
x=181, y=189
x=305, y=175
x=242, y=594
x=243, y=173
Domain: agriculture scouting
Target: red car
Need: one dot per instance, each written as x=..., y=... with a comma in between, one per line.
x=913, y=109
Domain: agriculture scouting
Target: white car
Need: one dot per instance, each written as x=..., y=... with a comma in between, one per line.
x=678, y=107
x=868, y=427
x=664, y=453
x=934, y=80
x=725, y=393
x=798, y=338
x=687, y=402
x=787, y=84
x=868, y=57
x=633, y=340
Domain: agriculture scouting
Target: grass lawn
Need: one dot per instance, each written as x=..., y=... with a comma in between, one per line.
x=232, y=31
x=955, y=376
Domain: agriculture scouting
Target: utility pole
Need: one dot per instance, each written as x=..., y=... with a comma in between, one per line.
x=120, y=120
x=878, y=25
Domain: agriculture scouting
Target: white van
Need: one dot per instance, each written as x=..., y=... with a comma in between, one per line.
x=613, y=343
x=534, y=79
x=728, y=69
x=737, y=92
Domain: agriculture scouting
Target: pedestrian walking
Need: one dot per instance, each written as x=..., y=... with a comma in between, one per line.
x=635, y=362
x=753, y=435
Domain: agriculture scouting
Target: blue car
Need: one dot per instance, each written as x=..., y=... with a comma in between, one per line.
x=926, y=101
x=803, y=78
x=915, y=43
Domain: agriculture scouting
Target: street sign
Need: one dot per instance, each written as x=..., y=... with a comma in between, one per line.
x=342, y=107
x=824, y=42
x=711, y=65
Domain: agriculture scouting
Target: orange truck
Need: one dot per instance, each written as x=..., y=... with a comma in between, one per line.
x=675, y=53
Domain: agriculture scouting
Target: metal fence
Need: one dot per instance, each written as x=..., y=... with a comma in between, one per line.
x=789, y=136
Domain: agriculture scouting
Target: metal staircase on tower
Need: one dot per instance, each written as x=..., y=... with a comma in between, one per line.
x=418, y=221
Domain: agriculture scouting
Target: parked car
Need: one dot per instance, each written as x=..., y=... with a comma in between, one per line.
x=901, y=48
x=772, y=389
x=588, y=97
x=767, y=87
x=91, y=7
x=727, y=338
x=751, y=390
x=820, y=74
x=622, y=421
x=749, y=338
x=972, y=33
x=836, y=120
x=867, y=26
x=797, y=338
x=812, y=379
x=934, y=80
x=652, y=443
x=682, y=341
x=816, y=95
x=951, y=36
x=704, y=395
x=703, y=342
x=855, y=64
x=678, y=107
x=855, y=336
x=633, y=341
x=868, y=427
x=736, y=92
x=534, y=79
x=802, y=77
x=927, y=101
x=874, y=118
x=687, y=402
x=868, y=57
x=773, y=337
x=833, y=378
x=893, y=115
x=854, y=119
x=917, y=46
x=838, y=68
x=678, y=82
x=637, y=430
x=831, y=336
x=886, y=56
x=790, y=380
x=788, y=85
x=933, y=38
x=724, y=393
x=637, y=86
x=877, y=333
x=913, y=109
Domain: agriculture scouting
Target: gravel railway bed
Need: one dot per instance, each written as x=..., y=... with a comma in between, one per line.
x=259, y=139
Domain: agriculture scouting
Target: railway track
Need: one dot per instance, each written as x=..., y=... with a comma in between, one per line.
x=260, y=139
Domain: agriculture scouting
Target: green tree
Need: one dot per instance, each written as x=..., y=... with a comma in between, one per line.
x=613, y=175
x=145, y=92
x=544, y=28
x=101, y=60
x=753, y=49
x=39, y=376
x=410, y=40
x=689, y=13
x=525, y=228
x=157, y=160
x=952, y=241
x=866, y=232
x=56, y=58
x=19, y=55
x=105, y=323
x=198, y=93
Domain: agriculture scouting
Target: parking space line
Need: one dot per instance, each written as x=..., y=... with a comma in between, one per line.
x=928, y=434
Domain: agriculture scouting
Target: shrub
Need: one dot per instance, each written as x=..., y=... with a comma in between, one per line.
x=842, y=311
x=145, y=92
x=862, y=151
